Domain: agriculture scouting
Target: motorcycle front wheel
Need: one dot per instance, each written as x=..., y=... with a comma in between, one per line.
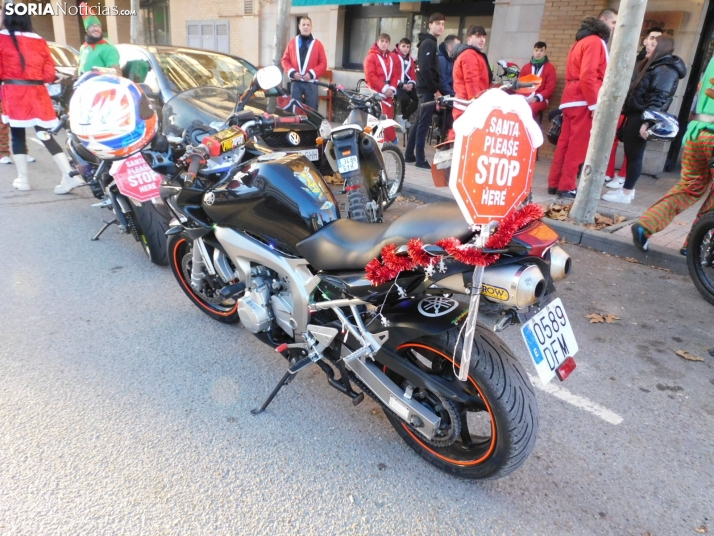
x=394, y=168
x=491, y=434
x=700, y=256
x=207, y=299
x=153, y=222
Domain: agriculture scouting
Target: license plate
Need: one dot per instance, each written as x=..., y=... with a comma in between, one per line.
x=347, y=164
x=311, y=154
x=550, y=339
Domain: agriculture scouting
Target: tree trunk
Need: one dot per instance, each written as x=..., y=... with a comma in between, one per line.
x=612, y=97
x=283, y=30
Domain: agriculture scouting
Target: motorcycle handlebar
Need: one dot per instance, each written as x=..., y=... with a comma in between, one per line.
x=195, y=161
x=61, y=125
x=291, y=120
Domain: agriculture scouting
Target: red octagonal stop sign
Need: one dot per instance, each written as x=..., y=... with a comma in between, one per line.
x=494, y=156
x=136, y=179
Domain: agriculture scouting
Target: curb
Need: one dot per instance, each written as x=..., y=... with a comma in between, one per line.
x=604, y=242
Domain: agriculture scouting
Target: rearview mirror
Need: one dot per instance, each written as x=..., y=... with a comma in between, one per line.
x=268, y=77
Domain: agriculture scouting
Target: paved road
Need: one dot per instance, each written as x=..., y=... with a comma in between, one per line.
x=125, y=410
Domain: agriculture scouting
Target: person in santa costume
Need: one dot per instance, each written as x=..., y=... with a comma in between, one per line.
x=472, y=73
x=540, y=66
x=304, y=60
x=382, y=77
x=406, y=76
x=584, y=73
x=25, y=67
x=96, y=52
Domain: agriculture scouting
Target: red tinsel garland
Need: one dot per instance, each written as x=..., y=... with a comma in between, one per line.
x=391, y=264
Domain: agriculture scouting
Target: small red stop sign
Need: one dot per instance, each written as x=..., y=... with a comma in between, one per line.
x=494, y=156
x=136, y=179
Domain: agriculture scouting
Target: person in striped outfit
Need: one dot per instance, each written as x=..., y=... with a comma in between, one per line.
x=696, y=178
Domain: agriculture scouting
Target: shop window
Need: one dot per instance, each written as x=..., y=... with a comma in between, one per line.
x=209, y=35
x=363, y=33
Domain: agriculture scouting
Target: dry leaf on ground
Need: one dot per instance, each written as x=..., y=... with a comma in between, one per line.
x=596, y=318
x=702, y=530
x=689, y=357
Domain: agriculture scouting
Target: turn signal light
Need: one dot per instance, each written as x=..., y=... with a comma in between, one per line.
x=368, y=130
x=565, y=368
x=319, y=141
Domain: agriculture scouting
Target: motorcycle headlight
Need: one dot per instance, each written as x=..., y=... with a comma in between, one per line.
x=54, y=89
x=325, y=129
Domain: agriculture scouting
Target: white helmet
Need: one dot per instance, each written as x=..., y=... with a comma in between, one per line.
x=112, y=117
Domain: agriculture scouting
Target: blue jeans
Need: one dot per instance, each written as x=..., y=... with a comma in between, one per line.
x=417, y=136
x=298, y=89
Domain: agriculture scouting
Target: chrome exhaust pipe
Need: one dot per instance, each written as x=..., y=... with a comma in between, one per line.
x=516, y=285
x=560, y=263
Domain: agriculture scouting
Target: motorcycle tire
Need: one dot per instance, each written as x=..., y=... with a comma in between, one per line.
x=153, y=222
x=178, y=247
x=394, y=166
x=700, y=256
x=357, y=199
x=502, y=422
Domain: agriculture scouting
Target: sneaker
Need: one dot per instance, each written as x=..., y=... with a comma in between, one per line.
x=616, y=182
x=30, y=159
x=618, y=196
x=423, y=165
x=567, y=194
x=410, y=160
x=639, y=236
x=5, y=160
x=552, y=191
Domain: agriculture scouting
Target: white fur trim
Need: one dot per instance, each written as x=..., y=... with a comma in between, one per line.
x=314, y=76
x=592, y=108
x=15, y=123
x=31, y=35
x=573, y=104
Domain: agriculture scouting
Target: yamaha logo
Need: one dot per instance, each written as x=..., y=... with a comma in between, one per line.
x=294, y=138
x=209, y=198
x=434, y=306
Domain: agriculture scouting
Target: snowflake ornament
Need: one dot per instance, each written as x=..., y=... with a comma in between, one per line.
x=429, y=270
x=442, y=265
x=384, y=320
x=401, y=291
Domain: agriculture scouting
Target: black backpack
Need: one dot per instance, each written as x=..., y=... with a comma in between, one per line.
x=556, y=122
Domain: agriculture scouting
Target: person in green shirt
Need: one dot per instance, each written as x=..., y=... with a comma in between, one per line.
x=696, y=178
x=96, y=51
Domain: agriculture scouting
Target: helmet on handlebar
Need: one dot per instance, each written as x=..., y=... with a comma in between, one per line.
x=112, y=117
x=662, y=126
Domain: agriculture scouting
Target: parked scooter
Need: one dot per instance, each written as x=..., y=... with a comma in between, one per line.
x=263, y=244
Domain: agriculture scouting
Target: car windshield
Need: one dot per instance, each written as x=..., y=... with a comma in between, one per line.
x=63, y=57
x=186, y=69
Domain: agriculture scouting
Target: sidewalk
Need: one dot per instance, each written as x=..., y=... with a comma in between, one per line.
x=616, y=240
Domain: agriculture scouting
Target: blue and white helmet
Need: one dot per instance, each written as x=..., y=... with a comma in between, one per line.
x=661, y=126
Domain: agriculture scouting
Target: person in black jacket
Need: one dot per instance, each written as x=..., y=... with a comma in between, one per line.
x=655, y=82
x=427, y=87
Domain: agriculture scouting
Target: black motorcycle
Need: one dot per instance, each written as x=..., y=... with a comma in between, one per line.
x=262, y=243
x=700, y=256
x=147, y=222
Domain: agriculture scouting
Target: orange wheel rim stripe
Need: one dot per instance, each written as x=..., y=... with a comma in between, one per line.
x=485, y=401
x=190, y=290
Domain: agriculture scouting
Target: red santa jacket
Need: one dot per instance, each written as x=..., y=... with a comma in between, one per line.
x=471, y=75
x=26, y=106
x=584, y=73
x=405, y=67
x=547, y=72
x=380, y=71
x=315, y=60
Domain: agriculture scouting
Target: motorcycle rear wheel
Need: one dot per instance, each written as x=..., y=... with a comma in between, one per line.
x=700, y=256
x=357, y=199
x=180, y=246
x=497, y=432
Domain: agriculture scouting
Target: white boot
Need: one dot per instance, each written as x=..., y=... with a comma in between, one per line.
x=21, y=182
x=68, y=183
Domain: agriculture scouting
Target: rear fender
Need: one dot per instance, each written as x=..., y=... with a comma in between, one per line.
x=412, y=318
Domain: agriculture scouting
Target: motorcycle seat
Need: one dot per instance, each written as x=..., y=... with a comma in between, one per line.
x=349, y=245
